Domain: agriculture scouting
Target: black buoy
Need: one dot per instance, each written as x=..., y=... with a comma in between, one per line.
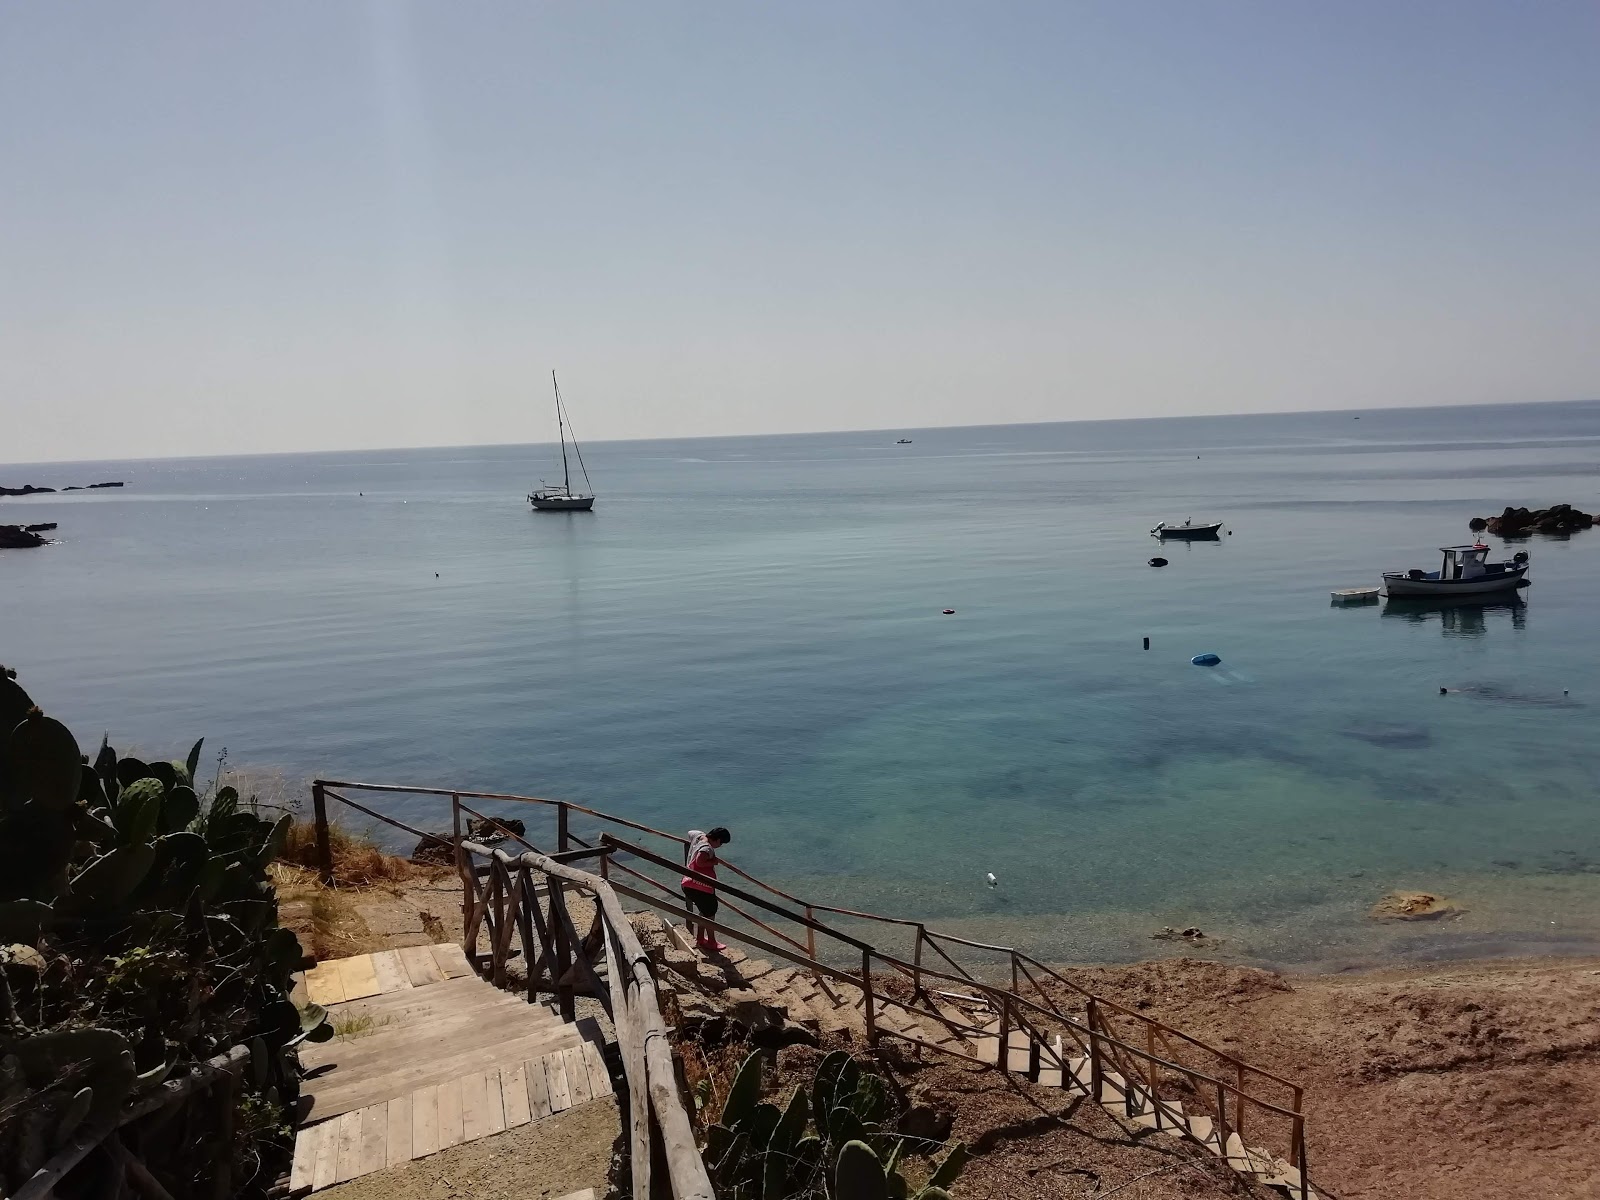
x=1147, y=643
x=1158, y=562
x=1230, y=533
x=1442, y=691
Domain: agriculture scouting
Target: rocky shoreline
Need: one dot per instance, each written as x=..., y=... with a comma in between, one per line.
x=24, y=537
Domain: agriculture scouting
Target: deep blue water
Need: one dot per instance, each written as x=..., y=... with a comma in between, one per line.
x=747, y=631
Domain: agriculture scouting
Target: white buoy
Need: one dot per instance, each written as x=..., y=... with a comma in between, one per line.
x=991, y=880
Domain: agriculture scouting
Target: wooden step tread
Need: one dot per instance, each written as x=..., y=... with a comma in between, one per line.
x=437, y=1116
x=339, y=980
x=433, y=1036
x=339, y=1092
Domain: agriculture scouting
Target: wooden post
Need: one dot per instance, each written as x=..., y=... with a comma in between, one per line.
x=867, y=1006
x=1095, y=1069
x=916, y=963
x=498, y=940
x=1014, y=986
x=811, y=935
x=1150, y=1068
x=561, y=827
x=530, y=955
x=1300, y=1152
x=1222, y=1120
x=319, y=807
x=1238, y=1107
x=1004, y=1061
x=460, y=856
x=558, y=976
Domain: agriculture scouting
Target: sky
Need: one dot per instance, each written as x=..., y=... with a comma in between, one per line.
x=302, y=225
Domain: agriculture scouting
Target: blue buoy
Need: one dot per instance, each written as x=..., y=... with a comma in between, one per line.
x=1205, y=660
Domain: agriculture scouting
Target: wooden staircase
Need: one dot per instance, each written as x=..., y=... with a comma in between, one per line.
x=430, y=1056
x=971, y=1028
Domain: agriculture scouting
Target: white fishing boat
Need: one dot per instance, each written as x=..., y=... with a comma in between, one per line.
x=1465, y=571
x=1206, y=529
x=560, y=497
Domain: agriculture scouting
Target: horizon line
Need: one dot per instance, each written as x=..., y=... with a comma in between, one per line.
x=885, y=429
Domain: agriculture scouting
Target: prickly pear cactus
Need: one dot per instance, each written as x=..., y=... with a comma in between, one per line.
x=138, y=936
x=757, y=1151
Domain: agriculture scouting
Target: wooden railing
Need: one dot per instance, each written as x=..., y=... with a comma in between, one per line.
x=504, y=902
x=1127, y=1055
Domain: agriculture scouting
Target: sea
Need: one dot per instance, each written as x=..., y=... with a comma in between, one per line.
x=750, y=632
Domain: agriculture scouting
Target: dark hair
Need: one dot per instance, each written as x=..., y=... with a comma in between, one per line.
x=720, y=834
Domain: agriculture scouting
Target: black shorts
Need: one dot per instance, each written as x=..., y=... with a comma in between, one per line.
x=704, y=902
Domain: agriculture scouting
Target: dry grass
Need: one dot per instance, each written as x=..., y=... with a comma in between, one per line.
x=349, y=1026
x=357, y=861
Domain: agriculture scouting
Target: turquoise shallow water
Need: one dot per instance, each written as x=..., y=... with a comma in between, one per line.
x=747, y=631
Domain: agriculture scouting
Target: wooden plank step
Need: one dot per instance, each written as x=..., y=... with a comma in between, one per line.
x=430, y=1039
x=421, y=966
x=1203, y=1128
x=514, y=1092
x=451, y=996
x=391, y=975
x=451, y=959
x=358, y=976
x=599, y=1077
x=1019, y=1052
x=337, y=1092
x=1051, y=1062
x=1248, y=1160
x=324, y=985
x=555, y=1073
x=987, y=1043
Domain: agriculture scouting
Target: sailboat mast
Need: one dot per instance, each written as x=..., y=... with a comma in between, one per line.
x=566, y=477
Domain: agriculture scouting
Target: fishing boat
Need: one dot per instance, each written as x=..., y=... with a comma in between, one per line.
x=1206, y=529
x=550, y=497
x=903, y=442
x=1465, y=571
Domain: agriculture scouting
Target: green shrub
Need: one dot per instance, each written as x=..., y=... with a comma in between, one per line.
x=829, y=1140
x=143, y=938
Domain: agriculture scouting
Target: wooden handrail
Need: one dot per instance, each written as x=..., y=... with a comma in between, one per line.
x=638, y=1021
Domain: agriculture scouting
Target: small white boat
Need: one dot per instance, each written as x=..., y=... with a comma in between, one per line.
x=1187, y=530
x=1465, y=571
x=559, y=497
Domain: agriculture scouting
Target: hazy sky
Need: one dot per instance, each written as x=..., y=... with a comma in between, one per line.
x=306, y=224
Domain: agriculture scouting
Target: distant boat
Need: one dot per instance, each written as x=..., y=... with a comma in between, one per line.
x=1188, y=530
x=1465, y=571
x=552, y=498
x=903, y=442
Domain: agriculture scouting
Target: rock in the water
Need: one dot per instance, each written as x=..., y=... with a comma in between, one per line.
x=1413, y=906
x=42, y=527
x=1520, y=522
x=15, y=537
x=26, y=489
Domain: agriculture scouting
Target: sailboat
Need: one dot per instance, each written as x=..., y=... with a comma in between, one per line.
x=554, y=498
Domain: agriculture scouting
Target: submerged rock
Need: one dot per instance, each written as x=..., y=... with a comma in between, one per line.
x=1413, y=906
x=1396, y=737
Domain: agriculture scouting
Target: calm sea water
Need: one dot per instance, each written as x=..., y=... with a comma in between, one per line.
x=747, y=631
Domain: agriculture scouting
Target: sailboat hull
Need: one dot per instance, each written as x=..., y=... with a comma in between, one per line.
x=561, y=503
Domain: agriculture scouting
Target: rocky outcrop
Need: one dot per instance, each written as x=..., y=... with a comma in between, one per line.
x=43, y=527
x=26, y=489
x=1520, y=522
x=438, y=849
x=89, y=487
x=15, y=537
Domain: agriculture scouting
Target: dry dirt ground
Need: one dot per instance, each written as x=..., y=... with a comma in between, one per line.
x=551, y=1158
x=1457, y=1081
